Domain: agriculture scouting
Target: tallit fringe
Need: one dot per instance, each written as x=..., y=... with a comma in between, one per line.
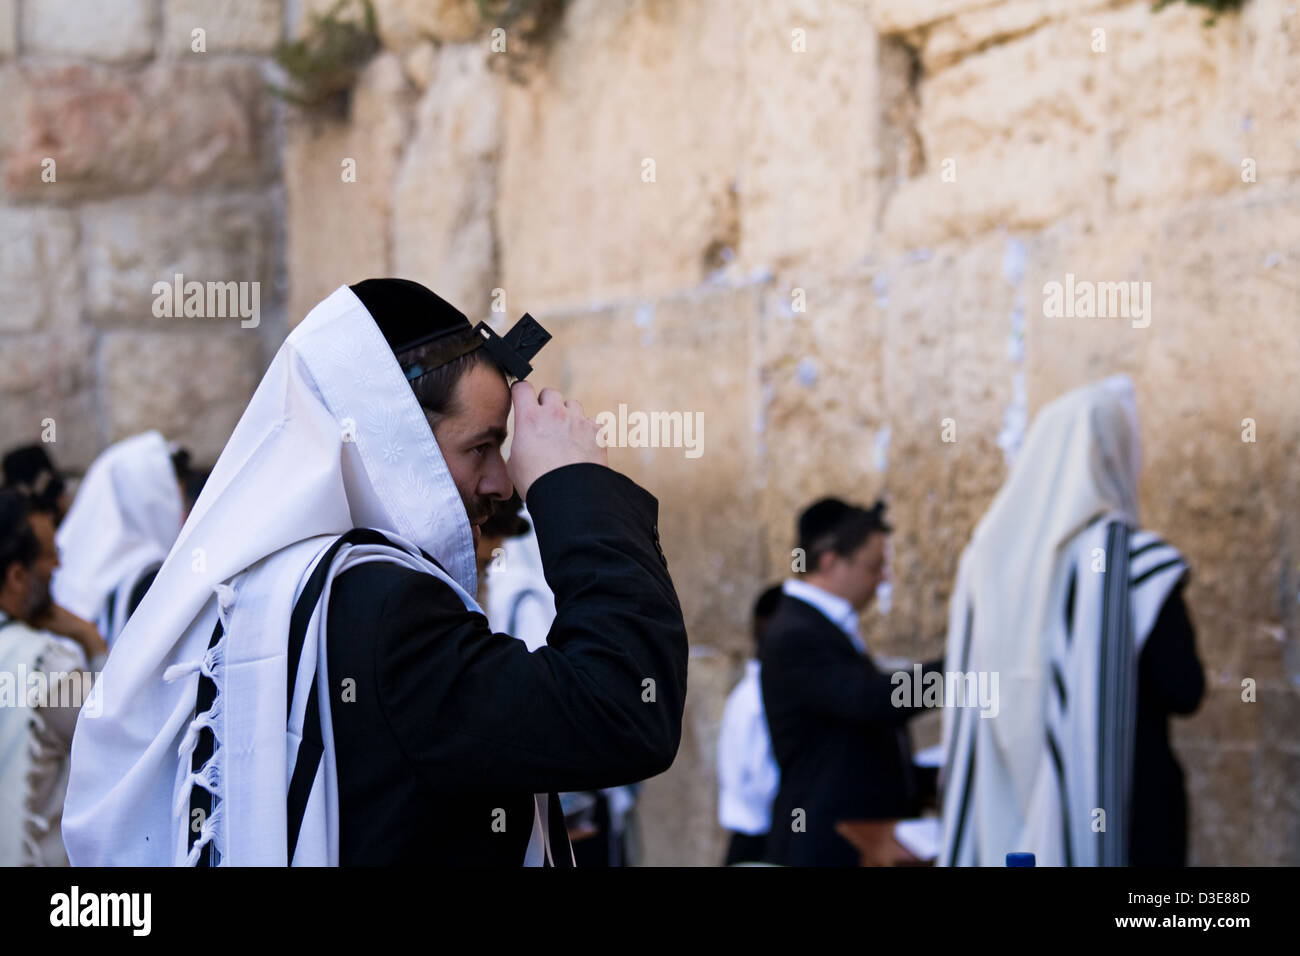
x=211, y=665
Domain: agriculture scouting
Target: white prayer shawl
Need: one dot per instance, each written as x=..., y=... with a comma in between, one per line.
x=748, y=775
x=122, y=523
x=333, y=439
x=1074, y=484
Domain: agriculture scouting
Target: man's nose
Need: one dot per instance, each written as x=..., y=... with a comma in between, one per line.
x=496, y=482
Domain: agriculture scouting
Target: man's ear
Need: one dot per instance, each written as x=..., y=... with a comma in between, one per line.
x=15, y=578
x=826, y=561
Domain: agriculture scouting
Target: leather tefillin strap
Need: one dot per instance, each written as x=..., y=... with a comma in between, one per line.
x=511, y=351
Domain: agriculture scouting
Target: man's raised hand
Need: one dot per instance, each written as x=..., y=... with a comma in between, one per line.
x=549, y=433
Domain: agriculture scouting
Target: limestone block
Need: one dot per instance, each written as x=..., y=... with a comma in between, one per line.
x=678, y=810
x=115, y=31
x=40, y=284
x=339, y=229
x=1015, y=136
x=191, y=383
x=405, y=23
x=47, y=378
x=1277, y=808
x=1175, y=127
x=1221, y=818
x=185, y=127
x=694, y=355
x=445, y=192
x=897, y=16
x=8, y=28
x=583, y=223
x=1268, y=118
x=230, y=26
x=810, y=157
x=981, y=26
x=131, y=244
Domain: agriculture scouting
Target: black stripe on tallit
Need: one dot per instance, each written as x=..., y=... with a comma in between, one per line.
x=965, y=656
x=1172, y=562
x=1103, y=715
x=1143, y=549
x=1069, y=605
x=959, y=728
x=1059, y=682
x=108, y=613
x=1059, y=767
x=963, y=806
x=1127, y=663
x=311, y=746
x=1115, y=666
x=315, y=585
x=201, y=799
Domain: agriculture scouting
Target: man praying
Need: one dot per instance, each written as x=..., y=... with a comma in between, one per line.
x=312, y=647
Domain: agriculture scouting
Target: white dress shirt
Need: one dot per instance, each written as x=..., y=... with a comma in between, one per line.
x=835, y=608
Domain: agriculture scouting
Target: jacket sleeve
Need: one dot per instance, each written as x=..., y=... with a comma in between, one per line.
x=599, y=706
x=814, y=680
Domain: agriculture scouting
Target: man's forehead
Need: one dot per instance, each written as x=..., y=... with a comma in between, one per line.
x=482, y=400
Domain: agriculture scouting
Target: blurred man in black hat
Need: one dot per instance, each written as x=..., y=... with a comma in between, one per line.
x=839, y=738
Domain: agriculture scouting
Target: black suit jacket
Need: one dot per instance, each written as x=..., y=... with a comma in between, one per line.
x=449, y=729
x=839, y=740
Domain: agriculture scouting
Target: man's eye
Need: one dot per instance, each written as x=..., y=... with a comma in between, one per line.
x=481, y=450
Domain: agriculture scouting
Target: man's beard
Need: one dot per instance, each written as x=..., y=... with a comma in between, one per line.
x=480, y=509
x=39, y=600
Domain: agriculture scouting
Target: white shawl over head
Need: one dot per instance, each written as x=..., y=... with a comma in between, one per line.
x=125, y=517
x=1079, y=464
x=333, y=439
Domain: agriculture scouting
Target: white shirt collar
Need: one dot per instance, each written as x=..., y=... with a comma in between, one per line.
x=835, y=608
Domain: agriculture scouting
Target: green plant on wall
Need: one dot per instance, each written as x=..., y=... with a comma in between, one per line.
x=323, y=64
x=1215, y=7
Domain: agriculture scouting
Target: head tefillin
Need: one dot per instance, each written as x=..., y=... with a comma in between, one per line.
x=411, y=316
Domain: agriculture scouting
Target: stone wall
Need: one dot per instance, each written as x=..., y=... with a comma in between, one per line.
x=853, y=211
x=128, y=156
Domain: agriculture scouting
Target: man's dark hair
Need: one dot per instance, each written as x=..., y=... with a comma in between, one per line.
x=435, y=390
x=191, y=477
x=18, y=544
x=30, y=470
x=834, y=525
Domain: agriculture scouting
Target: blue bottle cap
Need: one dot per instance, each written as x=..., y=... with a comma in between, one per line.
x=1020, y=859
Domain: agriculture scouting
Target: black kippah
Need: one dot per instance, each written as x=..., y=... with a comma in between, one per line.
x=408, y=314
